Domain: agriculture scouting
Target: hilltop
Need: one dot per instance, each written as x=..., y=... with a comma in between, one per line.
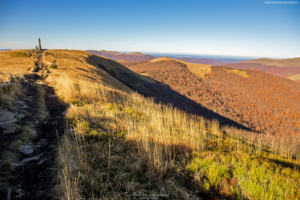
x=162, y=127
x=288, y=68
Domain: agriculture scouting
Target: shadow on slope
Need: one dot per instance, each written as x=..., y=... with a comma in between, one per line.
x=161, y=92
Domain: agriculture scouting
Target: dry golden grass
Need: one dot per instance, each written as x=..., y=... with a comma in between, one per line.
x=197, y=69
x=119, y=135
x=15, y=65
x=144, y=74
x=158, y=133
x=87, y=66
x=294, y=77
x=82, y=64
x=4, y=77
x=10, y=93
x=239, y=72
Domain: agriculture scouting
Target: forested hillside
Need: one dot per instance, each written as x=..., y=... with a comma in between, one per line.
x=260, y=101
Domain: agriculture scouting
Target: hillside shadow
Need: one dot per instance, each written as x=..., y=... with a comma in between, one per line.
x=164, y=94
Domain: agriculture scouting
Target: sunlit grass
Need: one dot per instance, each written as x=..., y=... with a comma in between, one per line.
x=165, y=142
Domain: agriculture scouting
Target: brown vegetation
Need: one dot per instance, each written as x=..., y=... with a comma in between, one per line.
x=262, y=102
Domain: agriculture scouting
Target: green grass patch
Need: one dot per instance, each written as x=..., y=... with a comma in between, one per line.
x=53, y=66
x=255, y=176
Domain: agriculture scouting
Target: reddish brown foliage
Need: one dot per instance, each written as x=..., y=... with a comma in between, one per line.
x=262, y=102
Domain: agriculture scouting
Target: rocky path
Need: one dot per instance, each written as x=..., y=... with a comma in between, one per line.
x=34, y=174
x=11, y=122
x=34, y=177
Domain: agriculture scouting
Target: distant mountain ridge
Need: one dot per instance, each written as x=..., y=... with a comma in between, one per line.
x=133, y=57
x=290, y=62
x=137, y=56
x=289, y=68
x=203, y=61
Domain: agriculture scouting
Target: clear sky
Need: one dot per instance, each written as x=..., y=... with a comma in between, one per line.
x=218, y=27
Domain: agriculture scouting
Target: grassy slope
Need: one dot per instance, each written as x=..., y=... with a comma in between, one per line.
x=198, y=69
x=15, y=62
x=123, y=144
x=83, y=65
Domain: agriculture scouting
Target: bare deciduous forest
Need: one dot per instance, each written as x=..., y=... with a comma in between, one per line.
x=263, y=102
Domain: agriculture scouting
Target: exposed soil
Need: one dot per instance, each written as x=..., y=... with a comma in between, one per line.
x=35, y=179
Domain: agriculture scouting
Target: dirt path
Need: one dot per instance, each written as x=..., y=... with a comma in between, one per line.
x=34, y=176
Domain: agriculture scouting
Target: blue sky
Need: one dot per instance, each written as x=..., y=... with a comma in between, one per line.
x=217, y=27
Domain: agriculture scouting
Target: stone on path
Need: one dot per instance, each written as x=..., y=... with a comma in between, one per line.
x=26, y=149
x=10, y=130
x=8, y=193
x=8, y=122
x=20, y=193
x=6, y=116
x=15, y=107
x=23, y=107
x=21, y=115
x=30, y=159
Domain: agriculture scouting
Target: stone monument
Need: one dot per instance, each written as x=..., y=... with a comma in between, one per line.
x=40, y=46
